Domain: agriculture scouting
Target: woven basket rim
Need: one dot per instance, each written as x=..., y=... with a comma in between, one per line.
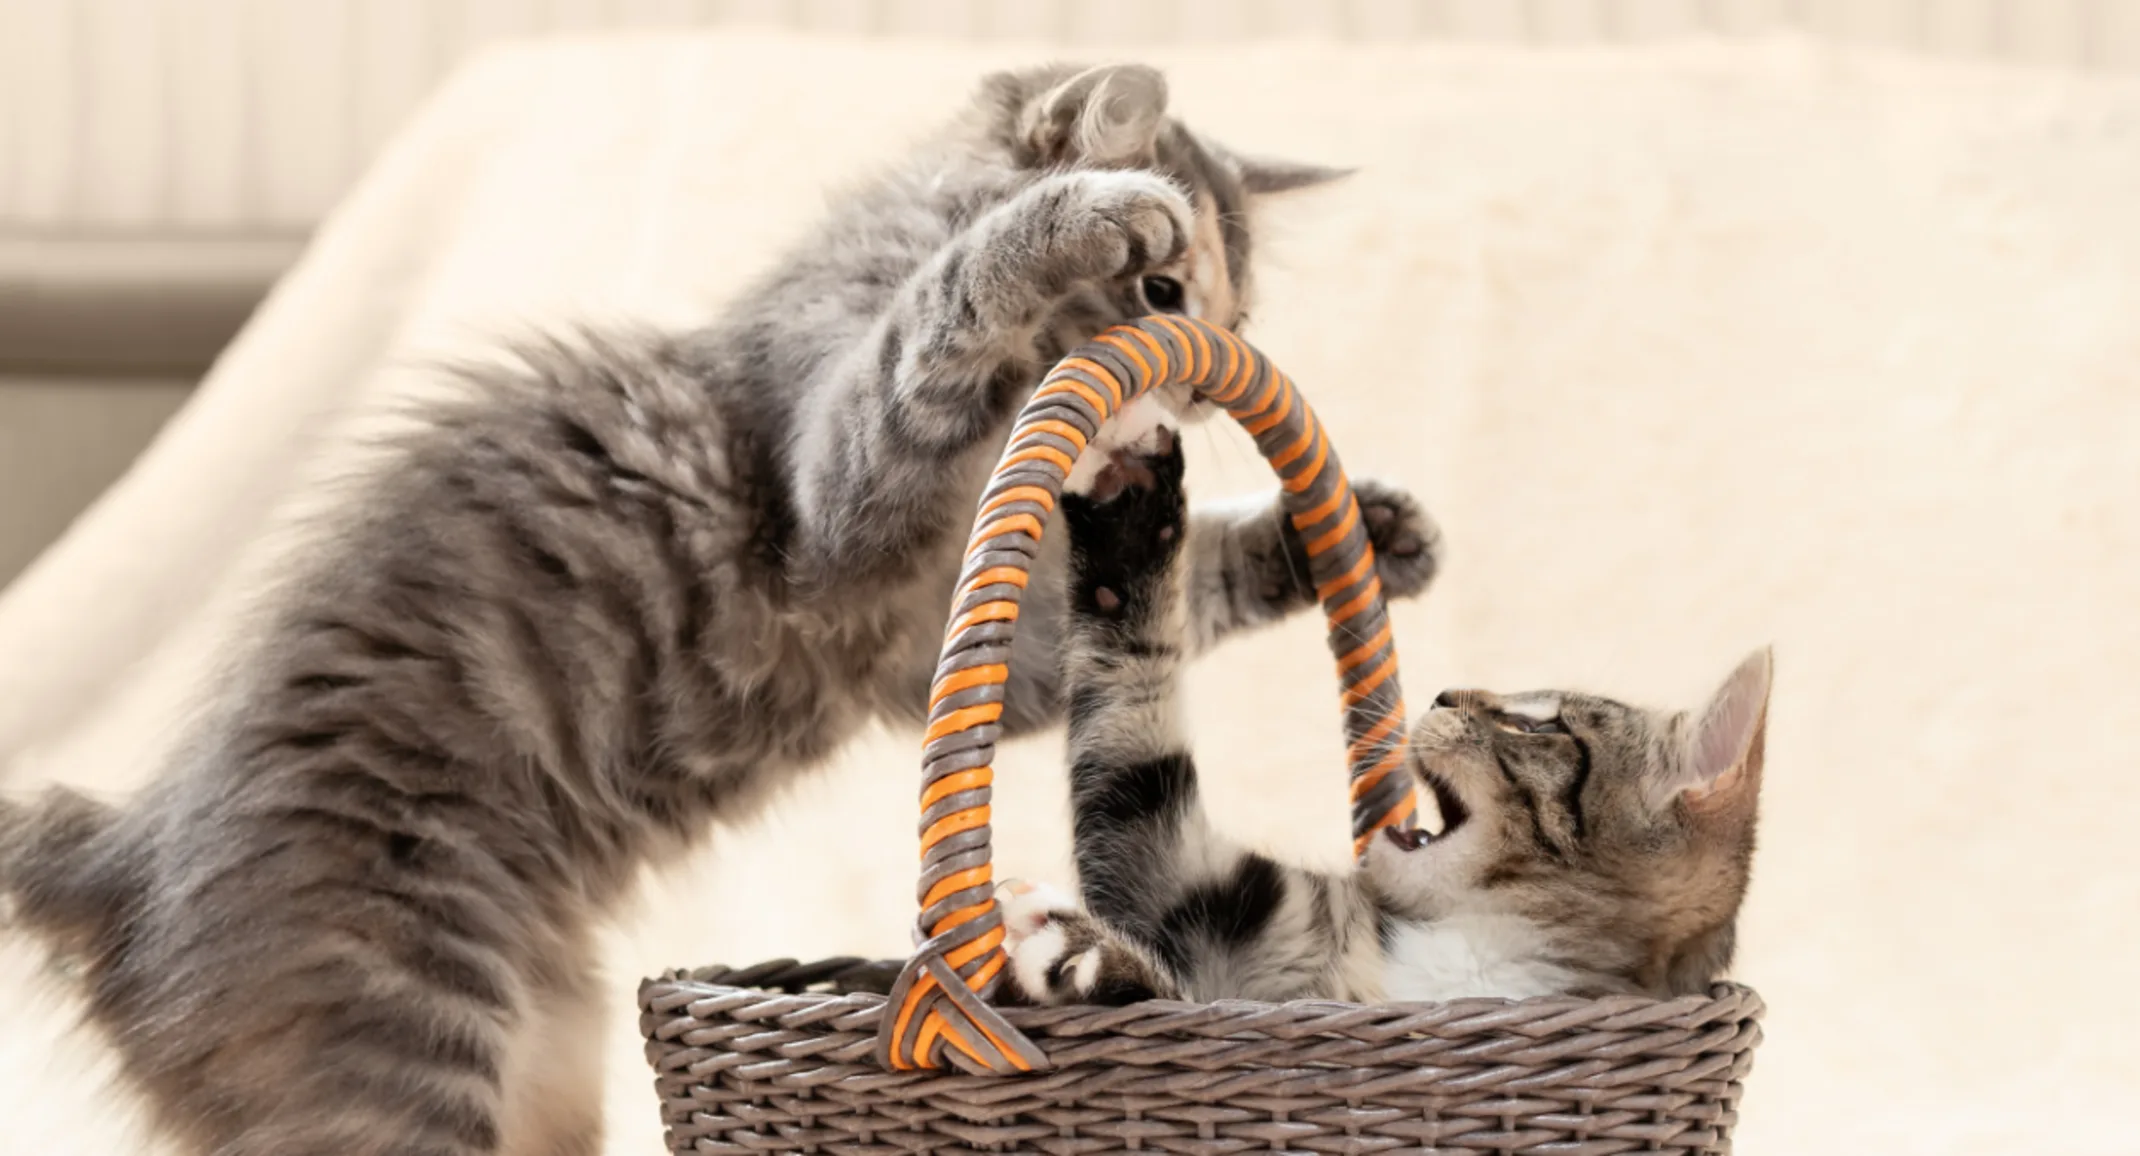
x=675, y=992
x=743, y=1069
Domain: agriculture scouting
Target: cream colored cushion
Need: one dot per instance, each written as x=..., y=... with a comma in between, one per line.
x=1690, y=350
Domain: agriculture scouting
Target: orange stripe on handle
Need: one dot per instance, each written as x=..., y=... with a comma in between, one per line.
x=1322, y=543
x=963, y=915
x=952, y=885
x=1357, y=605
x=1373, y=678
x=1362, y=784
x=1071, y=385
x=1346, y=580
x=1300, y=482
x=1164, y=374
x=1365, y=650
x=985, y=944
x=1145, y=378
x=931, y=1028
x=1039, y=453
x=997, y=576
x=1284, y=408
x=963, y=719
x=1291, y=453
x=1198, y=343
x=967, y=679
x=1243, y=370
x=908, y=1007
x=1323, y=509
x=1061, y=429
x=986, y=973
x=1065, y=374
x=1256, y=409
x=1363, y=748
x=953, y=784
x=1025, y=524
x=1033, y=494
x=999, y=611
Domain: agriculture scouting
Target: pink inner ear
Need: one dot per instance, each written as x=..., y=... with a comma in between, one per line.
x=1726, y=729
x=1729, y=727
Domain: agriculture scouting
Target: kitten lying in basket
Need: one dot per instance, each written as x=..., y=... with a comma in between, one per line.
x=1586, y=847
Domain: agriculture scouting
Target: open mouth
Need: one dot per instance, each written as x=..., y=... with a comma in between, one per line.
x=1446, y=801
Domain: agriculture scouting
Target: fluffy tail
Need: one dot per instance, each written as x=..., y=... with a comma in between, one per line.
x=56, y=869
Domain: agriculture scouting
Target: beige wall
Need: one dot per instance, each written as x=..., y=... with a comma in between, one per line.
x=61, y=442
x=133, y=128
x=219, y=115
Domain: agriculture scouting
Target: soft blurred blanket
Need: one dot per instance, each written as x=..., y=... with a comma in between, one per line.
x=1689, y=349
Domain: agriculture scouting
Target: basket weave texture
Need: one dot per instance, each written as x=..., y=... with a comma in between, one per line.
x=779, y=1058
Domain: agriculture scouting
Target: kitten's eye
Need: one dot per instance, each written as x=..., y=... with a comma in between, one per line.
x=1526, y=725
x=1163, y=294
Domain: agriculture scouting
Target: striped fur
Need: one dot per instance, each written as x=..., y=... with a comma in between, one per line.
x=610, y=592
x=1584, y=846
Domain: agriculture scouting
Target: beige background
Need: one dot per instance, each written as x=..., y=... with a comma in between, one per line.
x=206, y=118
x=161, y=161
x=62, y=440
x=1689, y=348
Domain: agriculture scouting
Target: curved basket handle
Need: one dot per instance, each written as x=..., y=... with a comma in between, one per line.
x=938, y=1008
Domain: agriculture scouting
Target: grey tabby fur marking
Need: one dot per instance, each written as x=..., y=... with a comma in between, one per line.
x=600, y=599
x=1586, y=847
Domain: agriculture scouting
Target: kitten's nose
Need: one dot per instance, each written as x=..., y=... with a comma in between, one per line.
x=1457, y=699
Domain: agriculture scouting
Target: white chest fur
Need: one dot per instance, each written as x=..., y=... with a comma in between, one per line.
x=1470, y=954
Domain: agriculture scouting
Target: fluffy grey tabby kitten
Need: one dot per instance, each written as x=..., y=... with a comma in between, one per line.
x=1585, y=847
x=602, y=598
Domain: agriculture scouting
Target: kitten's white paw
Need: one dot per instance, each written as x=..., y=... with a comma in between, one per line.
x=1031, y=936
x=1027, y=907
x=1138, y=429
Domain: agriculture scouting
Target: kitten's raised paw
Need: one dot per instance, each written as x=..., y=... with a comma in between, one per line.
x=1122, y=224
x=1138, y=453
x=1132, y=469
x=1118, y=457
x=1407, y=542
x=1126, y=528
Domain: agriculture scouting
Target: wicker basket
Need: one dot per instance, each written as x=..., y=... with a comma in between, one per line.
x=850, y=1056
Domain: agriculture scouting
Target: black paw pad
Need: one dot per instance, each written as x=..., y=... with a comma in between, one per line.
x=1120, y=542
x=1144, y=468
x=1389, y=533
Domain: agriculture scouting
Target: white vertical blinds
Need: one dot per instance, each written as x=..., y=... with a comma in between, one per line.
x=204, y=116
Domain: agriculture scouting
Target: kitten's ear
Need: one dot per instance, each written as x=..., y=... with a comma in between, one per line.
x=1264, y=176
x=1721, y=772
x=1106, y=115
